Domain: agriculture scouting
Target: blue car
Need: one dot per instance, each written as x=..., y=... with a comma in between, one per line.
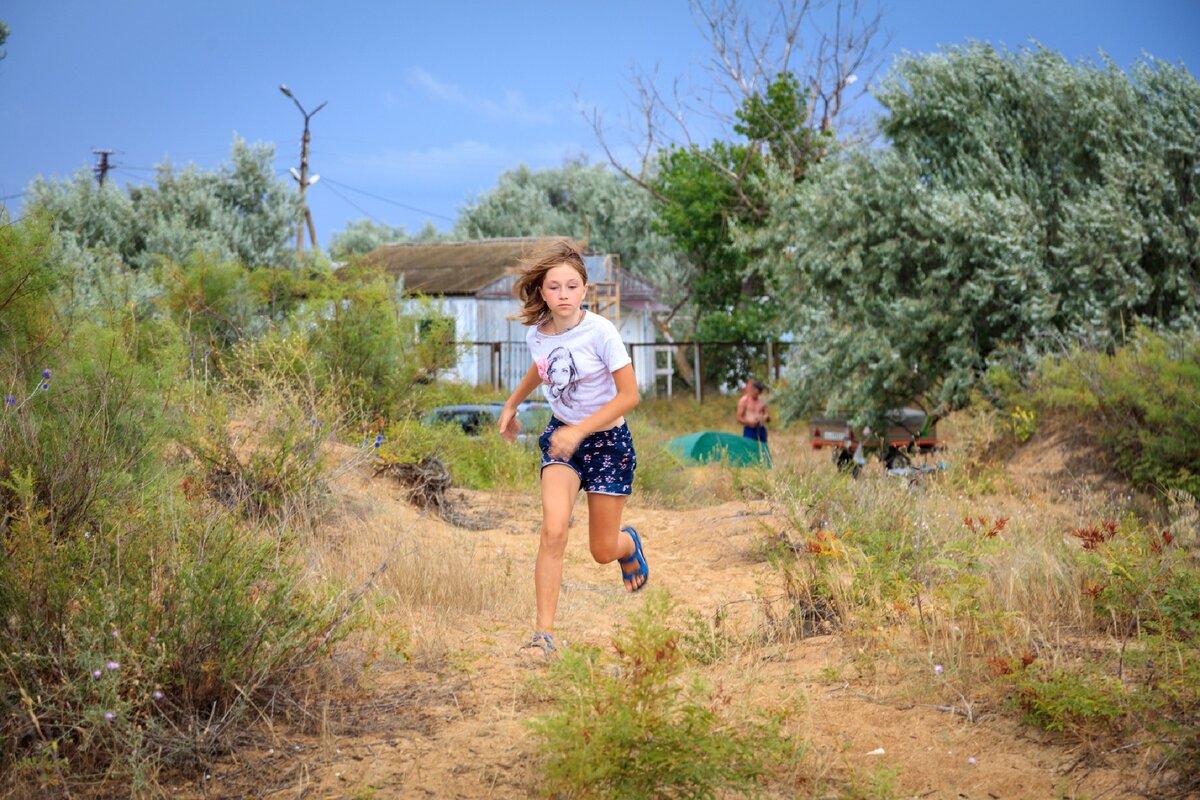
x=475, y=419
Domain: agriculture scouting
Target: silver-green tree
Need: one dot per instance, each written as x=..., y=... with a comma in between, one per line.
x=582, y=201
x=364, y=235
x=239, y=212
x=1023, y=200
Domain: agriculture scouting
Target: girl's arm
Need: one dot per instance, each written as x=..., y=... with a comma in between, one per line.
x=566, y=440
x=626, y=399
x=509, y=425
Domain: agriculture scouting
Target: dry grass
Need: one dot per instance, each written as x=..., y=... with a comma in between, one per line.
x=421, y=574
x=960, y=607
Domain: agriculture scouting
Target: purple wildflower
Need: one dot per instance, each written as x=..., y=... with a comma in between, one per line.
x=46, y=373
x=156, y=694
x=9, y=400
x=113, y=665
x=937, y=669
x=109, y=716
x=45, y=385
x=116, y=634
x=971, y=760
x=96, y=673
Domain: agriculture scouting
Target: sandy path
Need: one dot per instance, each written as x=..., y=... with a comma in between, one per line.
x=454, y=729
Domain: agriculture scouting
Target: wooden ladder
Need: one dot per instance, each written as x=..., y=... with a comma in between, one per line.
x=604, y=293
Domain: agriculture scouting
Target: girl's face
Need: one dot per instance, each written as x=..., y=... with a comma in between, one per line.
x=563, y=289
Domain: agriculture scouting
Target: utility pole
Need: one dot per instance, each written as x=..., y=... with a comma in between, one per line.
x=101, y=169
x=302, y=176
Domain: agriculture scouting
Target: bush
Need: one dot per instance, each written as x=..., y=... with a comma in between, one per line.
x=1142, y=401
x=373, y=353
x=486, y=461
x=211, y=302
x=1085, y=703
x=1140, y=576
x=263, y=453
x=90, y=423
x=639, y=724
x=143, y=642
x=27, y=276
x=139, y=621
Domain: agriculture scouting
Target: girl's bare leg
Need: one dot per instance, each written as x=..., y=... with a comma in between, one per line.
x=560, y=484
x=605, y=537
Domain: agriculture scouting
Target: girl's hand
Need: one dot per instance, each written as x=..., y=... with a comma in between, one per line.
x=510, y=426
x=565, y=441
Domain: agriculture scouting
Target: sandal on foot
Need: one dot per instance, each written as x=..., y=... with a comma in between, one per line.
x=540, y=641
x=639, y=558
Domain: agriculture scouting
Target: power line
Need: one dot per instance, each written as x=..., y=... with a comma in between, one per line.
x=125, y=171
x=357, y=207
x=386, y=200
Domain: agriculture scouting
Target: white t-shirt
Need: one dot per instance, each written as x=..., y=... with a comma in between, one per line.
x=577, y=366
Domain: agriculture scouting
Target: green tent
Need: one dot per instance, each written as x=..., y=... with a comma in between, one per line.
x=739, y=451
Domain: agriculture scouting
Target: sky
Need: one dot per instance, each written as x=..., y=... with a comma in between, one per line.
x=427, y=103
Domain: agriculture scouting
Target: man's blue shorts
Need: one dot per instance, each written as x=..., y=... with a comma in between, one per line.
x=757, y=432
x=605, y=460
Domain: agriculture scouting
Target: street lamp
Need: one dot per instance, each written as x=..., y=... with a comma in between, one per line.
x=302, y=176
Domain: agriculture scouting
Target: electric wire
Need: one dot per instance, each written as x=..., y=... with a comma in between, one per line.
x=387, y=200
x=356, y=206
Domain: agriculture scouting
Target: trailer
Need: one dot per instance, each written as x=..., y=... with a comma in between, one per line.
x=910, y=431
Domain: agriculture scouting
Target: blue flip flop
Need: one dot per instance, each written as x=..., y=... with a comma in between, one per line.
x=541, y=641
x=643, y=568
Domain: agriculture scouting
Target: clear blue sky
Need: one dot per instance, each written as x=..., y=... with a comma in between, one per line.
x=428, y=102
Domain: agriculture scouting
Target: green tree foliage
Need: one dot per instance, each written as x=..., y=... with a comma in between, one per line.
x=710, y=193
x=585, y=202
x=1023, y=199
x=239, y=212
x=364, y=235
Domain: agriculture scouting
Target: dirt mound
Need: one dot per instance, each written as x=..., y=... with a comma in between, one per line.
x=1062, y=454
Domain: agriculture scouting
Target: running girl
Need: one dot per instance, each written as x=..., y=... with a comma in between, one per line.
x=588, y=380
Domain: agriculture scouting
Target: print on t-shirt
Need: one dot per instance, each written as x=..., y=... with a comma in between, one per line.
x=576, y=367
x=558, y=371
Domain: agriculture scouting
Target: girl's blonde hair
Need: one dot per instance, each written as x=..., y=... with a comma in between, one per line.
x=545, y=257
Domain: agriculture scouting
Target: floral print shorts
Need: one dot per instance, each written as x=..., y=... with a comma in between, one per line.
x=605, y=460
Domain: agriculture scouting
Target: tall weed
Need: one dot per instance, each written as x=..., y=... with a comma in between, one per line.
x=639, y=724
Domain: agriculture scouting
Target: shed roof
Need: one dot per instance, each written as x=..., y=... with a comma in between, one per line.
x=635, y=292
x=485, y=268
x=451, y=268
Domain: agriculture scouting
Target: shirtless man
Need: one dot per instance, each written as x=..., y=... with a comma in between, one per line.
x=752, y=411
